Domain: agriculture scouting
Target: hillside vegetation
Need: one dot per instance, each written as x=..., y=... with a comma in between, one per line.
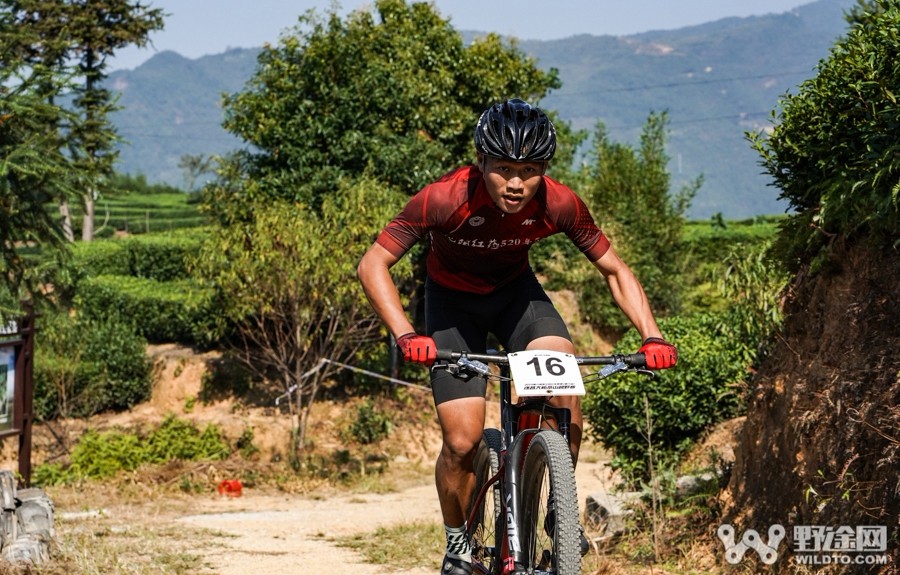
x=716, y=81
x=821, y=445
x=789, y=321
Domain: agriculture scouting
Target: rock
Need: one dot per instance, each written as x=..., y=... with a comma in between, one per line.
x=26, y=523
x=690, y=485
x=35, y=514
x=26, y=549
x=607, y=513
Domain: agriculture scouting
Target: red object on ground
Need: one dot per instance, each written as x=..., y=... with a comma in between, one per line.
x=230, y=488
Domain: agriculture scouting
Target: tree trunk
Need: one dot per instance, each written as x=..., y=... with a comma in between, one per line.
x=87, y=222
x=66, y=220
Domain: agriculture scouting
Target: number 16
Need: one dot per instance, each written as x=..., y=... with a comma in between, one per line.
x=553, y=365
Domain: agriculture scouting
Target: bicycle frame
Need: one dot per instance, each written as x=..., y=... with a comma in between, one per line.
x=517, y=430
x=519, y=422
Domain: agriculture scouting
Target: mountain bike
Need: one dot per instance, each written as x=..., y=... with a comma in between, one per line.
x=523, y=514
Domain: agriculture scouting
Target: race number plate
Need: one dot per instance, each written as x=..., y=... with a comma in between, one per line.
x=542, y=373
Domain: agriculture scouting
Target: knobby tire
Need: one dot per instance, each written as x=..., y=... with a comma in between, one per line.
x=552, y=546
x=484, y=541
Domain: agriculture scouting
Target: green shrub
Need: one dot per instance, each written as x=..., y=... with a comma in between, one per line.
x=698, y=392
x=158, y=257
x=162, y=258
x=370, y=425
x=103, y=455
x=86, y=366
x=179, y=439
x=833, y=152
x=176, y=311
x=101, y=257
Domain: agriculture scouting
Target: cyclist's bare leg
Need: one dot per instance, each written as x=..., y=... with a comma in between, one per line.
x=572, y=402
x=462, y=424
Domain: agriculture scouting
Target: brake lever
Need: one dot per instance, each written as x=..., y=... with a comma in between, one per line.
x=464, y=367
x=451, y=368
x=476, y=366
x=608, y=370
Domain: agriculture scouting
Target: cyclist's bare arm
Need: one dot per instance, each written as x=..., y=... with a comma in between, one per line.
x=374, y=274
x=628, y=293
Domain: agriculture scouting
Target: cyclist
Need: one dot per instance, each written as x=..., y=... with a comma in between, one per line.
x=481, y=220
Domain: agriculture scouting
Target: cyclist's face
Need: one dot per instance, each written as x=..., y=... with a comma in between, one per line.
x=511, y=184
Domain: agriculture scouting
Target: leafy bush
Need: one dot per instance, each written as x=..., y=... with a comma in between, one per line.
x=103, y=455
x=86, y=366
x=370, y=425
x=617, y=179
x=176, y=311
x=162, y=258
x=158, y=257
x=101, y=257
x=834, y=152
x=685, y=400
x=717, y=352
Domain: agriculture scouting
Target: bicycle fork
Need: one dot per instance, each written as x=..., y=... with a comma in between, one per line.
x=513, y=554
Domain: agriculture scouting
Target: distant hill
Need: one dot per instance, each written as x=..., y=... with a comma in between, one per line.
x=716, y=81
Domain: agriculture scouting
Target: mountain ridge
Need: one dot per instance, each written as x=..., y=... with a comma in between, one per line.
x=715, y=80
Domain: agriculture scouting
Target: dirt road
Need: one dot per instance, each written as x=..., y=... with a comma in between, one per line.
x=281, y=535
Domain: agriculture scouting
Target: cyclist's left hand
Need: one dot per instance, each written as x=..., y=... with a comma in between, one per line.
x=660, y=354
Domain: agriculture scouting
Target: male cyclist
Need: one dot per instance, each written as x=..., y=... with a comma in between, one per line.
x=481, y=220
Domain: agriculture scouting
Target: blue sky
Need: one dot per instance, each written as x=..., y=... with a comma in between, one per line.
x=197, y=28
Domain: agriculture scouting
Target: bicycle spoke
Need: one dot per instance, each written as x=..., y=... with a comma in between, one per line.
x=485, y=558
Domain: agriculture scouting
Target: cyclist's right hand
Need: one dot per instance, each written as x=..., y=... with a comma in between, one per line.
x=417, y=348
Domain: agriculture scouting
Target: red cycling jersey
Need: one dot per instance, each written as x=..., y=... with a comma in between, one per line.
x=475, y=247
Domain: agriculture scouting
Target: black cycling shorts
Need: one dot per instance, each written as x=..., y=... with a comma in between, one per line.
x=515, y=314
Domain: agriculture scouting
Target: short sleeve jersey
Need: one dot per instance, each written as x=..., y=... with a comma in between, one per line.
x=476, y=247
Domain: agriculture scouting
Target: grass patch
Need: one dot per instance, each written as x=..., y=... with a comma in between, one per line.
x=404, y=546
x=104, y=546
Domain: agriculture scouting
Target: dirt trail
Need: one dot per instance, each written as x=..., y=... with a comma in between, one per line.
x=281, y=535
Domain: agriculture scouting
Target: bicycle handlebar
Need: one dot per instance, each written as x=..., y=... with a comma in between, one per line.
x=636, y=360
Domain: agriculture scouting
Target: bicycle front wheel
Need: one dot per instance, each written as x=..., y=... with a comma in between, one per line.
x=484, y=520
x=549, y=510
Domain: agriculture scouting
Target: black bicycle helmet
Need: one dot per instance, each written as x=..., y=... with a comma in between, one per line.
x=515, y=130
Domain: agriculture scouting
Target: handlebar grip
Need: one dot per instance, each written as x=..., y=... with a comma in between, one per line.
x=445, y=355
x=635, y=359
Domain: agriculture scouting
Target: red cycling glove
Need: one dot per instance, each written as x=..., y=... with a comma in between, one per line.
x=660, y=354
x=417, y=348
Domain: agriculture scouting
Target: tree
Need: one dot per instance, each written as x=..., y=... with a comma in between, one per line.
x=40, y=45
x=85, y=33
x=33, y=173
x=195, y=166
x=393, y=93
x=341, y=120
x=287, y=281
x=629, y=193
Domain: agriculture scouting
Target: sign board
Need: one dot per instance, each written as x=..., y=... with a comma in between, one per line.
x=543, y=373
x=7, y=387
